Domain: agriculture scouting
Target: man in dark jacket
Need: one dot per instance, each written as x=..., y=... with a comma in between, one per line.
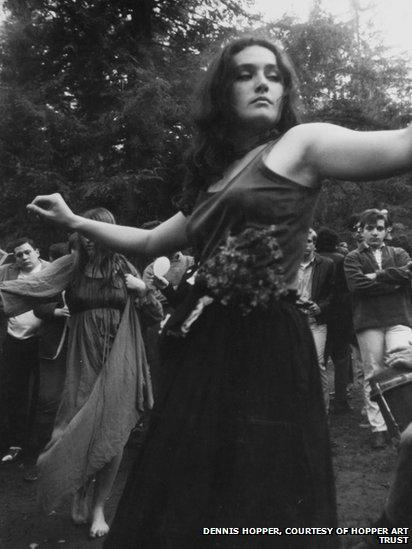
x=315, y=287
x=382, y=310
x=340, y=327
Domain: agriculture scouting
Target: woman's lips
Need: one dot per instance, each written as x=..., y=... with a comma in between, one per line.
x=263, y=100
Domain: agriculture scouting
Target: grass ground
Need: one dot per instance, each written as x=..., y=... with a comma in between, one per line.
x=362, y=480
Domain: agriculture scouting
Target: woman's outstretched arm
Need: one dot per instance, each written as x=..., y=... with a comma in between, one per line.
x=168, y=237
x=347, y=154
x=309, y=152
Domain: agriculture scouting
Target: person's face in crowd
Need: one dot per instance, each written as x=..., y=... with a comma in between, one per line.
x=310, y=247
x=88, y=245
x=257, y=89
x=357, y=235
x=27, y=257
x=374, y=233
x=344, y=246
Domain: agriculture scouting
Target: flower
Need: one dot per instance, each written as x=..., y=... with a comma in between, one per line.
x=245, y=271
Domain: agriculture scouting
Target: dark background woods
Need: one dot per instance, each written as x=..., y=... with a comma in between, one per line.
x=95, y=100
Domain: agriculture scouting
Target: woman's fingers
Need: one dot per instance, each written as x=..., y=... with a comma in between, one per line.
x=37, y=210
x=45, y=203
x=52, y=207
x=160, y=282
x=66, y=311
x=134, y=283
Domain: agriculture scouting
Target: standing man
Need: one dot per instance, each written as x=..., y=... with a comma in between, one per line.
x=382, y=309
x=315, y=286
x=19, y=337
x=340, y=328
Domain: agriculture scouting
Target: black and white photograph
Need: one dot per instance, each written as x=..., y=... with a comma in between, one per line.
x=205, y=274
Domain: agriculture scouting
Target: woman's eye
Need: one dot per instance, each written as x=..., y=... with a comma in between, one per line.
x=244, y=76
x=274, y=77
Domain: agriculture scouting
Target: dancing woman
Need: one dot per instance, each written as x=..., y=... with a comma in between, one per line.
x=239, y=436
x=107, y=378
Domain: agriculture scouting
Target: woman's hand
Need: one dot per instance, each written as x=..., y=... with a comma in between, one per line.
x=135, y=284
x=62, y=312
x=159, y=282
x=53, y=208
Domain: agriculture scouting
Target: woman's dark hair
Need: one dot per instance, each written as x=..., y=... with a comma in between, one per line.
x=105, y=262
x=212, y=149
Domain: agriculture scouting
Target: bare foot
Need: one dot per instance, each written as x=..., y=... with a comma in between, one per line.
x=80, y=507
x=99, y=527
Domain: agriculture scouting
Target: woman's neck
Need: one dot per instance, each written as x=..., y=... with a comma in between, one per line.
x=246, y=140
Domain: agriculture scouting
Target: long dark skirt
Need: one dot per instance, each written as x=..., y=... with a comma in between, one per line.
x=238, y=438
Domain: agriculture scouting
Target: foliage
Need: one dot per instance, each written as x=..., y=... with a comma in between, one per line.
x=95, y=101
x=349, y=78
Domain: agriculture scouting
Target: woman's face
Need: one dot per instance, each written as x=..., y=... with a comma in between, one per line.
x=88, y=245
x=257, y=89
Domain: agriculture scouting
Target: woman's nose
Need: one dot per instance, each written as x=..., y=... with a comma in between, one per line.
x=261, y=83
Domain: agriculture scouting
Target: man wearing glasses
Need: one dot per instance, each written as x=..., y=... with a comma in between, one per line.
x=382, y=311
x=19, y=368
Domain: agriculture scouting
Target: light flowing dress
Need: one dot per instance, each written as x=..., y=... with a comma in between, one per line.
x=107, y=382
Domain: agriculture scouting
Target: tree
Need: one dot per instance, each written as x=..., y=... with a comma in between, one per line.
x=349, y=78
x=95, y=96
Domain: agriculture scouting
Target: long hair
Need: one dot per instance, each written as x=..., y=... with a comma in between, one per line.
x=105, y=262
x=212, y=150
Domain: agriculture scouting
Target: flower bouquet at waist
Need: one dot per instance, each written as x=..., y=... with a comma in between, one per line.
x=245, y=272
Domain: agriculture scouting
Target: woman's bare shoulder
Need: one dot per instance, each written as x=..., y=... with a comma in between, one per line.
x=289, y=154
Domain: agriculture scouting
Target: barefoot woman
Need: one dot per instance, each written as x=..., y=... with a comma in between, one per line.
x=239, y=437
x=106, y=371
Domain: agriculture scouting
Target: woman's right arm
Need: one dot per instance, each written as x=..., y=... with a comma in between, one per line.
x=168, y=237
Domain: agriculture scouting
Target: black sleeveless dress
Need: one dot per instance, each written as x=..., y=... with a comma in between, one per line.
x=239, y=436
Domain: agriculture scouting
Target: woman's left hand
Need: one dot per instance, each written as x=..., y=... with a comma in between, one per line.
x=135, y=284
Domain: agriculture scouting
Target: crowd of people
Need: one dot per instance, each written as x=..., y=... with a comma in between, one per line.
x=239, y=430
x=44, y=393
